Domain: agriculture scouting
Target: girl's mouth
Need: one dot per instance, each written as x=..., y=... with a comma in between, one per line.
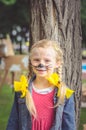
x=41, y=69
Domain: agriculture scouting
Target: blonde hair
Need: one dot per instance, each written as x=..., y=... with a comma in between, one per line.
x=59, y=59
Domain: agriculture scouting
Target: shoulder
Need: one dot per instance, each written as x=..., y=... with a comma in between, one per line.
x=18, y=98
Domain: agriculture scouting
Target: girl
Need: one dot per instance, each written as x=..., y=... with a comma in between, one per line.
x=48, y=104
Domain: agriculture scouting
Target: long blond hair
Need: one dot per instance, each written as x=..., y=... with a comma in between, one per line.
x=59, y=58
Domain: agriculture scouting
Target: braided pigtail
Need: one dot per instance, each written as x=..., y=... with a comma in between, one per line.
x=62, y=89
x=29, y=100
x=30, y=104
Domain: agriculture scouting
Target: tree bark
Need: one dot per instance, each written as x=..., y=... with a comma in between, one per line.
x=60, y=20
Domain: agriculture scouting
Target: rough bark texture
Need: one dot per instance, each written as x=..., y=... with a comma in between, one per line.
x=60, y=20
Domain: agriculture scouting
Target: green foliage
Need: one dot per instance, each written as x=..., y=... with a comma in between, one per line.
x=8, y=2
x=83, y=10
x=83, y=21
x=16, y=14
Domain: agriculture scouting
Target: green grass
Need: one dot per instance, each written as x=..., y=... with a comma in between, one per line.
x=83, y=81
x=82, y=118
x=6, y=100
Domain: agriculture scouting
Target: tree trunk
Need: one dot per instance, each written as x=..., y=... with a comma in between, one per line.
x=60, y=20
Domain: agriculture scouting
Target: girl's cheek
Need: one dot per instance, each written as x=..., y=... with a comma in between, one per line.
x=50, y=70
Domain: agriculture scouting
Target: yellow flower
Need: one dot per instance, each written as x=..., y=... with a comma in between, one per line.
x=54, y=79
x=21, y=86
x=68, y=93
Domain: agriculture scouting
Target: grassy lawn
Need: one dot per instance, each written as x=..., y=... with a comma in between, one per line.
x=83, y=81
x=6, y=100
x=82, y=118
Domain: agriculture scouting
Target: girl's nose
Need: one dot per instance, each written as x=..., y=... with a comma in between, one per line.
x=42, y=62
x=41, y=66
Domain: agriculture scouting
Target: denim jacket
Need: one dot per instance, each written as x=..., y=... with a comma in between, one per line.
x=20, y=118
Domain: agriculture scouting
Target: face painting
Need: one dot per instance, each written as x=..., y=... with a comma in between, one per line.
x=42, y=67
x=43, y=60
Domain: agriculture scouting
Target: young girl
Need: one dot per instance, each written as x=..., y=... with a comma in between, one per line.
x=48, y=104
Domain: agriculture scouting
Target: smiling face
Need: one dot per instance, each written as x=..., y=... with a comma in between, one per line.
x=43, y=61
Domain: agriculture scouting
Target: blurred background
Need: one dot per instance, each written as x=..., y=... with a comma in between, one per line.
x=14, y=43
x=14, y=21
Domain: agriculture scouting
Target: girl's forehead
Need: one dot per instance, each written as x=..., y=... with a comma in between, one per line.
x=43, y=51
